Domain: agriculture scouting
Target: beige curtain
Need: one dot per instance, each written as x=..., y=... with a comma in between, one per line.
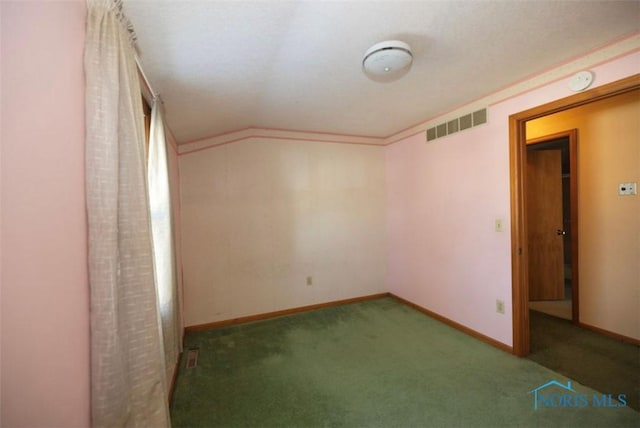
x=163, y=243
x=128, y=384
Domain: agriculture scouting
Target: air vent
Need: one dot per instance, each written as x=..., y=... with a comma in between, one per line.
x=192, y=358
x=461, y=123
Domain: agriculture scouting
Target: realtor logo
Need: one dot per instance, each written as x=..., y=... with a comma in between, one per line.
x=561, y=395
x=545, y=400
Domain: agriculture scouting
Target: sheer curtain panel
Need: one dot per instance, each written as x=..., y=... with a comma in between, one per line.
x=163, y=243
x=128, y=383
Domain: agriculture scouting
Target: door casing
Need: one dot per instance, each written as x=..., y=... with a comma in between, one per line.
x=517, y=161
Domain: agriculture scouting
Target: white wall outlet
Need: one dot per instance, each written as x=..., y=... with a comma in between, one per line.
x=500, y=306
x=626, y=189
x=499, y=225
x=309, y=281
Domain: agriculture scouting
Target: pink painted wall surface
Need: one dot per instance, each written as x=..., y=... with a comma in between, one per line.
x=45, y=301
x=261, y=215
x=443, y=198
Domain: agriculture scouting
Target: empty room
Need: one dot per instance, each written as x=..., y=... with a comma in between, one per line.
x=319, y=213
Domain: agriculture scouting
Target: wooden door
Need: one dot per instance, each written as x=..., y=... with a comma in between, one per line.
x=544, y=225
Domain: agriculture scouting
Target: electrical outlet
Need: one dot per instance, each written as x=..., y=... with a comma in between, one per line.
x=309, y=281
x=500, y=306
x=626, y=189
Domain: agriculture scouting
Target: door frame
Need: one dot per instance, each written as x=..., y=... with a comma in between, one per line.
x=572, y=136
x=517, y=164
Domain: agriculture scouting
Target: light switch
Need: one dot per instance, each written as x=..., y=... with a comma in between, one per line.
x=499, y=225
x=626, y=189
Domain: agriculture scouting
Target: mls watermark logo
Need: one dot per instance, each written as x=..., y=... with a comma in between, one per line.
x=555, y=394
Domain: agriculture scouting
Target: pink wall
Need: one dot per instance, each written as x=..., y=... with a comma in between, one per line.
x=443, y=253
x=261, y=215
x=45, y=302
x=443, y=198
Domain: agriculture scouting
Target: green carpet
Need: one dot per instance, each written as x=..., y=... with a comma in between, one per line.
x=594, y=360
x=378, y=363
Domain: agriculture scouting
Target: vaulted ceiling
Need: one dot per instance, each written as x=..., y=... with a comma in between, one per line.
x=225, y=65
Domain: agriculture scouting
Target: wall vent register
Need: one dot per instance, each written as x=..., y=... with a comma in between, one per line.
x=461, y=123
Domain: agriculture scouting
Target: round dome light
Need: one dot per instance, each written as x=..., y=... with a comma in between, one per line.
x=386, y=61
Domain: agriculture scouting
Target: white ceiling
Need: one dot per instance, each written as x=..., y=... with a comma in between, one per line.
x=226, y=65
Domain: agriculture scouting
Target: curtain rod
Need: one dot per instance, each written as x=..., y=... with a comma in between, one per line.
x=154, y=94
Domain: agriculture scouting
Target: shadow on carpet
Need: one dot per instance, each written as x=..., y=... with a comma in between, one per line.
x=600, y=362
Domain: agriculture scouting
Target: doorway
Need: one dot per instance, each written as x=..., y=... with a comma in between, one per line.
x=518, y=159
x=552, y=224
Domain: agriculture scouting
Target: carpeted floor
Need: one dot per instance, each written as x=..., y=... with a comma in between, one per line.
x=594, y=360
x=377, y=363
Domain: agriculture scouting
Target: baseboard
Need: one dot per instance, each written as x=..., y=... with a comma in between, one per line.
x=617, y=336
x=267, y=315
x=257, y=317
x=457, y=326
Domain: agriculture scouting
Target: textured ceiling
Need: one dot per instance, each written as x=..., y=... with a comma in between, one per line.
x=222, y=66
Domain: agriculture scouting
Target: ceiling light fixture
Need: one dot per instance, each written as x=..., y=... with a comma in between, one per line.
x=387, y=61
